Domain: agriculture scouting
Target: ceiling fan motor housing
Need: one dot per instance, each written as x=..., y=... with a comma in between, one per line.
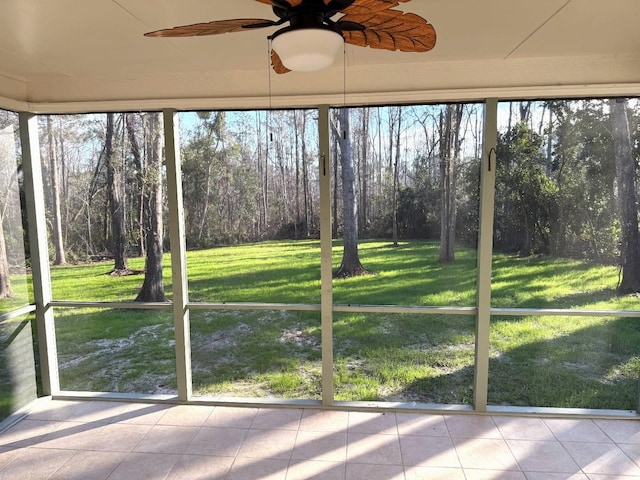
x=307, y=49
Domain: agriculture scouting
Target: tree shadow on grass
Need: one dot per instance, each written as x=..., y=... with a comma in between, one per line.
x=534, y=283
x=578, y=362
x=274, y=285
x=594, y=367
x=377, y=356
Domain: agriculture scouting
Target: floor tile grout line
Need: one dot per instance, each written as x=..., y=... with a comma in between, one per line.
x=455, y=449
x=515, y=458
x=583, y=420
x=79, y=451
x=572, y=458
x=623, y=451
x=595, y=424
x=446, y=426
x=615, y=444
x=244, y=439
x=604, y=432
x=293, y=447
x=343, y=464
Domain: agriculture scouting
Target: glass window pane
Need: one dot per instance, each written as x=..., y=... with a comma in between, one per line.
x=566, y=228
x=405, y=191
x=568, y=362
x=111, y=350
x=404, y=358
x=106, y=206
x=15, y=284
x=251, y=201
x=256, y=353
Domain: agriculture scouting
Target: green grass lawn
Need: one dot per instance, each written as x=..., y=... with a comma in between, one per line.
x=22, y=293
x=92, y=282
x=539, y=361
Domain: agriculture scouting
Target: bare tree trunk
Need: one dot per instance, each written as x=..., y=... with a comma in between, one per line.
x=205, y=208
x=364, y=205
x=445, y=185
x=115, y=184
x=56, y=221
x=450, y=147
x=261, y=200
x=350, y=266
x=550, y=135
x=395, y=179
x=7, y=153
x=560, y=227
x=392, y=128
x=296, y=134
x=525, y=111
x=627, y=201
x=380, y=168
x=265, y=189
x=141, y=189
x=153, y=287
x=284, y=211
x=510, y=124
x=335, y=185
x=308, y=206
x=5, y=284
x=63, y=187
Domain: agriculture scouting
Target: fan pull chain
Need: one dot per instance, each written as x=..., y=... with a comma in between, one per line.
x=269, y=53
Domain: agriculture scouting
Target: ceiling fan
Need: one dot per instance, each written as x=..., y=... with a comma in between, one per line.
x=311, y=38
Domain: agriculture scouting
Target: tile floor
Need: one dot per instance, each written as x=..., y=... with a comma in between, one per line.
x=102, y=440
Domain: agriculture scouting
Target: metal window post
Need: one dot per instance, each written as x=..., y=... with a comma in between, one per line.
x=326, y=299
x=178, y=255
x=485, y=247
x=41, y=276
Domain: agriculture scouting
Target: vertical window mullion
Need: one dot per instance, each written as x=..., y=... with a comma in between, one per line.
x=326, y=299
x=485, y=247
x=178, y=255
x=34, y=192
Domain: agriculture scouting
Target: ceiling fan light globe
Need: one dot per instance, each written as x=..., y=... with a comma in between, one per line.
x=307, y=49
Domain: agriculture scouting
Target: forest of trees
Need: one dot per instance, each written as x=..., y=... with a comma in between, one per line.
x=566, y=181
x=12, y=250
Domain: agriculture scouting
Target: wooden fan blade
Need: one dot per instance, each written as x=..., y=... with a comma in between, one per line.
x=388, y=29
x=212, y=28
x=278, y=3
x=360, y=7
x=291, y=3
x=276, y=63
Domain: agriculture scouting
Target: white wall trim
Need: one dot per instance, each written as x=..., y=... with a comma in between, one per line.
x=312, y=101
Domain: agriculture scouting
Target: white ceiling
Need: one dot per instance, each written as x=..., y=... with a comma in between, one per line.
x=77, y=54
